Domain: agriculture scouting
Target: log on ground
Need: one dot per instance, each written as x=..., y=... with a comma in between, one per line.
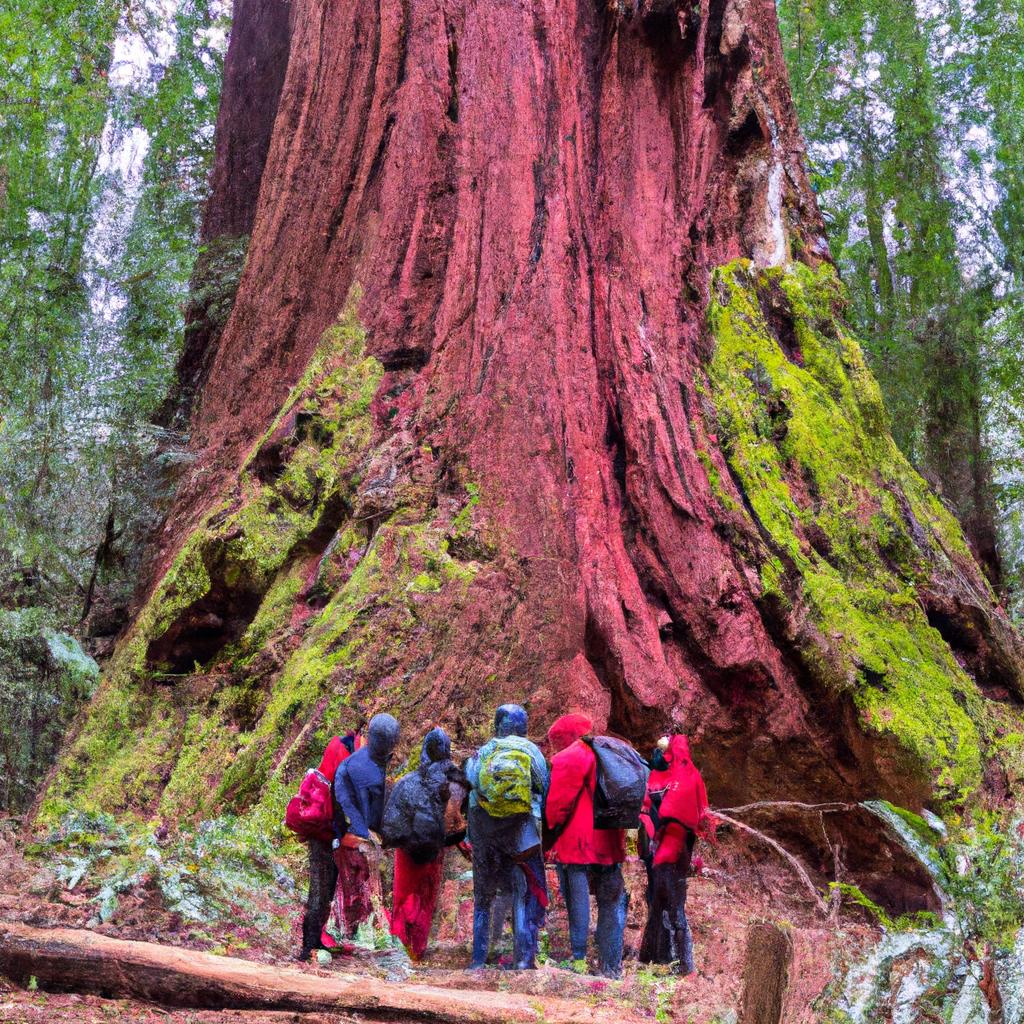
x=76, y=960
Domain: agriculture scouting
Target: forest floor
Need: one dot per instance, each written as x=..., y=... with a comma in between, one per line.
x=738, y=887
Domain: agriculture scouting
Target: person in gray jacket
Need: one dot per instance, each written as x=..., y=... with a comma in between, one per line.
x=507, y=856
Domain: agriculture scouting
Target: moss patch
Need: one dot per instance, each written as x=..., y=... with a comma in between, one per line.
x=851, y=529
x=333, y=604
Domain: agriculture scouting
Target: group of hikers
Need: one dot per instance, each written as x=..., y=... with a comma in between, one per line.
x=510, y=813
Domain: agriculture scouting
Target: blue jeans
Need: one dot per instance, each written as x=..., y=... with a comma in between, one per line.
x=576, y=882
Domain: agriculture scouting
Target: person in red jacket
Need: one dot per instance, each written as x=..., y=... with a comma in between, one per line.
x=323, y=874
x=675, y=812
x=585, y=858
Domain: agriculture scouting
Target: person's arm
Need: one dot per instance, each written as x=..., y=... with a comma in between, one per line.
x=568, y=777
x=539, y=776
x=472, y=769
x=352, y=807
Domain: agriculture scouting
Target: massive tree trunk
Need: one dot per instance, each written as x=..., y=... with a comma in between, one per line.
x=536, y=388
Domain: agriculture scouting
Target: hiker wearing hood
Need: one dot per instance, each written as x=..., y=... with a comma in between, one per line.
x=323, y=874
x=587, y=859
x=415, y=824
x=676, y=811
x=359, y=786
x=508, y=777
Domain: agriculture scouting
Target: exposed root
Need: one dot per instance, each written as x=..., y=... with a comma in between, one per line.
x=790, y=859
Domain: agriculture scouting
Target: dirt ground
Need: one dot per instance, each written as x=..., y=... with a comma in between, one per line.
x=738, y=886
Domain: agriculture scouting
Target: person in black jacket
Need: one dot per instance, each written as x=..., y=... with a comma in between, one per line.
x=416, y=824
x=359, y=790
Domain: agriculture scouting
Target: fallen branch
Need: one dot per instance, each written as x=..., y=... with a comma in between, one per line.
x=795, y=864
x=830, y=808
x=76, y=960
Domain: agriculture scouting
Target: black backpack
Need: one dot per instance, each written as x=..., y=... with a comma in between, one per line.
x=621, y=783
x=414, y=815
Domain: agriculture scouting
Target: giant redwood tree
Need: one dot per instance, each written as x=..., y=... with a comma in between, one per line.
x=536, y=386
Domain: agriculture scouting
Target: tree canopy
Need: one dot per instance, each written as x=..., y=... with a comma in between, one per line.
x=913, y=116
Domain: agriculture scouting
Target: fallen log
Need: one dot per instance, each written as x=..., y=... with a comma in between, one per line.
x=76, y=960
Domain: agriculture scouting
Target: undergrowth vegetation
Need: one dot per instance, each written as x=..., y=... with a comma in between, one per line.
x=226, y=870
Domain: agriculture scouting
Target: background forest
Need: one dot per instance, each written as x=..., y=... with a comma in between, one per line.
x=912, y=113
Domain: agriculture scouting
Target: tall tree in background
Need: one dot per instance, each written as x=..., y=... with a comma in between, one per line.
x=903, y=136
x=996, y=71
x=106, y=125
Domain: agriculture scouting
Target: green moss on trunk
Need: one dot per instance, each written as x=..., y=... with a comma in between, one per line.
x=332, y=609
x=852, y=530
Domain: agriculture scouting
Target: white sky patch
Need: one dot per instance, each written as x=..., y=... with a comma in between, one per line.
x=139, y=55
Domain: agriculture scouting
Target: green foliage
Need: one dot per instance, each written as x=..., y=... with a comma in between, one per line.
x=177, y=110
x=223, y=869
x=984, y=877
x=913, y=124
x=44, y=676
x=106, y=117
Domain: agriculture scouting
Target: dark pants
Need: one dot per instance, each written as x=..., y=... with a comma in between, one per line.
x=501, y=866
x=323, y=877
x=667, y=935
x=577, y=881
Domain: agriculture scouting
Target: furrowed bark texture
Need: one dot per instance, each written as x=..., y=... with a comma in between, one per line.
x=505, y=473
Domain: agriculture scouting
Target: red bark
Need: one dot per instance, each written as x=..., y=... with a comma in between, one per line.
x=532, y=195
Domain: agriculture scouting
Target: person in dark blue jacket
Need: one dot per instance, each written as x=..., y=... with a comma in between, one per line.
x=359, y=790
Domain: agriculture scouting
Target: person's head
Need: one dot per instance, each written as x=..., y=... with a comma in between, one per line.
x=567, y=730
x=436, y=747
x=671, y=752
x=382, y=736
x=510, y=720
x=657, y=761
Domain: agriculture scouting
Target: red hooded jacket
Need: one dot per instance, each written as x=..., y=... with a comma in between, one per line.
x=684, y=802
x=335, y=753
x=570, y=800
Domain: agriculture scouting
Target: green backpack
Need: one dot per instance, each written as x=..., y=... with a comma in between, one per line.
x=504, y=783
